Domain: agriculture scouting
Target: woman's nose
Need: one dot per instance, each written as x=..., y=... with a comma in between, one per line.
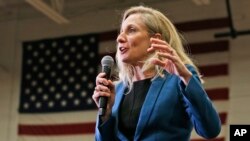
x=120, y=38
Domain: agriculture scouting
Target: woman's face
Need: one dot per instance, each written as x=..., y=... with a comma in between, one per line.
x=133, y=40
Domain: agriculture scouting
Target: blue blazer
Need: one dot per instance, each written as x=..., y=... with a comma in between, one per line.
x=170, y=111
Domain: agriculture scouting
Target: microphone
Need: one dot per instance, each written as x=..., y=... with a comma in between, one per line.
x=107, y=64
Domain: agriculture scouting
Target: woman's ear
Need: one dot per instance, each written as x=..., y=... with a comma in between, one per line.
x=157, y=35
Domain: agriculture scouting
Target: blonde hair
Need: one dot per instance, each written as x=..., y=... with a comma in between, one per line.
x=155, y=22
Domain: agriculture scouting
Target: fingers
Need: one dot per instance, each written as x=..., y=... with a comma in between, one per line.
x=164, y=50
x=103, y=87
x=169, y=56
x=160, y=45
x=157, y=41
x=111, y=86
x=167, y=64
x=101, y=80
x=159, y=62
x=100, y=90
x=161, y=48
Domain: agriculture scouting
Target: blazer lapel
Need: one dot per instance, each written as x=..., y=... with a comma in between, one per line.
x=149, y=104
x=115, y=110
x=118, y=97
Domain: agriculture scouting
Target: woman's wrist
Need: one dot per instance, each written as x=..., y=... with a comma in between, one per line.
x=186, y=77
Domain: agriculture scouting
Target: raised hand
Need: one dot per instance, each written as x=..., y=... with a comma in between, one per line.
x=169, y=59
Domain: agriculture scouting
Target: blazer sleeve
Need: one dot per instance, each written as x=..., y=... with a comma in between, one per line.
x=199, y=107
x=104, y=131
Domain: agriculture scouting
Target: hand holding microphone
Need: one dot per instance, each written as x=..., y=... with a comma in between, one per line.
x=107, y=64
x=102, y=90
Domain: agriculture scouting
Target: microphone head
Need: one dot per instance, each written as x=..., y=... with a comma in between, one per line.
x=107, y=61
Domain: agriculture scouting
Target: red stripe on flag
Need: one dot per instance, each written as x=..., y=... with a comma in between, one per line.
x=108, y=36
x=214, y=70
x=215, y=139
x=64, y=129
x=193, y=48
x=208, y=47
x=223, y=117
x=203, y=24
x=185, y=27
x=206, y=71
x=218, y=93
x=70, y=129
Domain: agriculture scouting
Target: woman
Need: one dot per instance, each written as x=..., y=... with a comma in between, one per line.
x=159, y=95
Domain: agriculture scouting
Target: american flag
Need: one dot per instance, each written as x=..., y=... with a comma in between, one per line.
x=57, y=105
x=58, y=77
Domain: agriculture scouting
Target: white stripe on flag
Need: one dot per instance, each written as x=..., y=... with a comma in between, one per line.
x=216, y=82
x=59, y=118
x=212, y=58
x=221, y=106
x=107, y=47
x=85, y=137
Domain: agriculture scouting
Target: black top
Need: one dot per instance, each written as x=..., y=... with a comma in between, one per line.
x=131, y=107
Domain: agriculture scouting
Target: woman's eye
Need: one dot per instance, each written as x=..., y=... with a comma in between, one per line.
x=131, y=30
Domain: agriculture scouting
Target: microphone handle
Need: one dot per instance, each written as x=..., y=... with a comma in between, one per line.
x=103, y=100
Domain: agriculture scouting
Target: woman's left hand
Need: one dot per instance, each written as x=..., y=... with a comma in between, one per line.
x=170, y=60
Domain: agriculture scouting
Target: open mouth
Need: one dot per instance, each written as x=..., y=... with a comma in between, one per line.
x=123, y=49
